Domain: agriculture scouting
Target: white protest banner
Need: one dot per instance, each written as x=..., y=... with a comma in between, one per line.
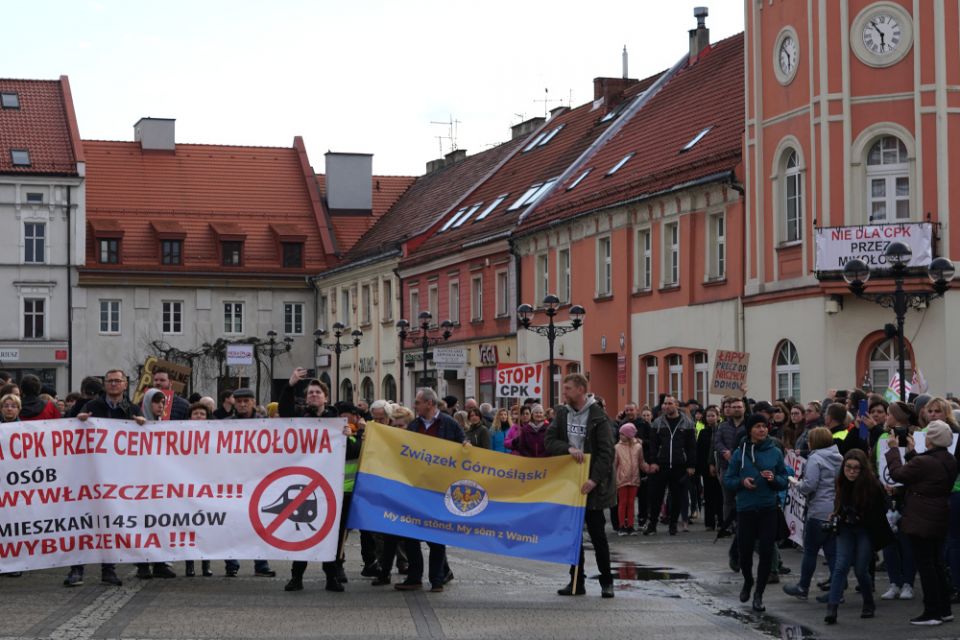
x=239, y=354
x=919, y=445
x=795, y=506
x=519, y=380
x=75, y=492
x=838, y=245
x=730, y=373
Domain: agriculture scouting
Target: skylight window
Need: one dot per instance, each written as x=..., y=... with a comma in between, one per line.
x=493, y=205
x=525, y=198
x=622, y=162
x=697, y=138
x=9, y=100
x=20, y=157
x=467, y=215
x=579, y=179
x=453, y=219
x=610, y=116
x=547, y=138
x=535, y=141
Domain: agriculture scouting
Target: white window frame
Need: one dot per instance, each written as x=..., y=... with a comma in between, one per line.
x=716, y=246
x=604, y=266
x=35, y=241
x=643, y=274
x=295, y=310
x=652, y=380
x=542, y=276
x=476, y=298
x=345, y=306
x=414, y=308
x=113, y=307
x=235, y=313
x=172, y=309
x=701, y=377
x=675, y=374
x=502, y=282
x=366, y=305
x=889, y=174
x=564, y=283
x=792, y=205
x=386, y=291
x=433, y=304
x=671, y=254
x=45, y=299
x=490, y=207
x=790, y=369
x=888, y=362
x=322, y=312
x=453, y=301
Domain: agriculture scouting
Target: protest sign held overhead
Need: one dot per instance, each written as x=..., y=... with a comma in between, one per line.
x=77, y=492
x=730, y=373
x=519, y=380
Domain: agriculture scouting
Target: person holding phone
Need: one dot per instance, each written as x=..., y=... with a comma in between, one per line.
x=756, y=473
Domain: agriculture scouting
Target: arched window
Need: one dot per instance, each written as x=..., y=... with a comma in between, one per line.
x=325, y=379
x=885, y=363
x=346, y=391
x=793, y=198
x=788, y=371
x=701, y=374
x=675, y=369
x=389, y=388
x=651, y=380
x=367, y=392
x=888, y=181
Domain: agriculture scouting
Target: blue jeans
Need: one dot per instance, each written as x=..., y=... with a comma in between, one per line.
x=815, y=538
x=853, y=548
x=898, y=557
x=953, y=541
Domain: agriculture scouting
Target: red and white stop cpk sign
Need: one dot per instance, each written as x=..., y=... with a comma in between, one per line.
x=519, y=380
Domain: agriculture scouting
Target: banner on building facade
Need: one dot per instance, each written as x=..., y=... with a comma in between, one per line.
x=519, y=381
x=730, y=373
x=835, y=246
x=178, y=373
x=96, y=491
x=425, y=488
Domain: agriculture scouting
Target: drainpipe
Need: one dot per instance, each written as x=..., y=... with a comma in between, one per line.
x=69, y=291
x=518, y=294
x=741, y=337
x=400, y=361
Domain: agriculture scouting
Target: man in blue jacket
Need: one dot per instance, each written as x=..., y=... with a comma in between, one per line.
x=430, y=421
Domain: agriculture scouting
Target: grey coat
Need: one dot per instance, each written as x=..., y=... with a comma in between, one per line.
x=819, y=482
x=598, y=443
x=724, y=440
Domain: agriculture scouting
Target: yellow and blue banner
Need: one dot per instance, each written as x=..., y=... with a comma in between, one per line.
x=425, y=488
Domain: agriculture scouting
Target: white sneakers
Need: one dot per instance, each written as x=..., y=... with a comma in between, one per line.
x=898, y=593
x=892, y=593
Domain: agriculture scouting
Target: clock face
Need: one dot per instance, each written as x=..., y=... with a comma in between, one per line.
x=882, y=34
x=788, y=55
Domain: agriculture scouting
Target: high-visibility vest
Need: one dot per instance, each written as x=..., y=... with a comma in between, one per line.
x=350, y=469
x=841, y=435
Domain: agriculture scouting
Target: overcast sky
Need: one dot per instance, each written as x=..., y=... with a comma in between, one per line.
x=348, y=75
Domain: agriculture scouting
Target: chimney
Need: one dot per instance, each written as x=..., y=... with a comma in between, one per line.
x=455, y=156
x=349, y=181
x=155, y=134
x=699, y=37
x=524, y=128
x=610, y=90
x=435, y=165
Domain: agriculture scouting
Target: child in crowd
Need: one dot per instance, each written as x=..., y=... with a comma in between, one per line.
x=628, y=463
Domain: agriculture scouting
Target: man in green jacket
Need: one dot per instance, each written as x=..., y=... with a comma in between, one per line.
x=580, y=428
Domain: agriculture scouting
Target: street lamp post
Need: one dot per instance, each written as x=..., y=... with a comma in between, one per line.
x=422, y=336
x=339, y=331
x=272, y=348
x=551, y=330
x=941, y=271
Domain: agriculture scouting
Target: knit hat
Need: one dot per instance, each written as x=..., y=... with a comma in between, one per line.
x=939, y=434
x=903, y=413
x=755, y=419
x=920, y=401
x=764, y=406
x=628, y=429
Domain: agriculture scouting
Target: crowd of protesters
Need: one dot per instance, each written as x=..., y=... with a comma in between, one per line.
x=649, y=466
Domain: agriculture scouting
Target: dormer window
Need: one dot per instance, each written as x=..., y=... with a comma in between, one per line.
x=9, y=100
x=232, y=252
x=20, y=157
x=292, y=255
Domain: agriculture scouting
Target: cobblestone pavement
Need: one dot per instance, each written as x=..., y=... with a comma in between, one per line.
x=668, y=587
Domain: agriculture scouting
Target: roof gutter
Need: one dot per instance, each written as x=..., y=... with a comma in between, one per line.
x=356, y=264
x=638, y=103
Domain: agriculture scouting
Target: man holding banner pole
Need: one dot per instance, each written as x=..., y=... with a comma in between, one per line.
x=581, y=428
x=432, y=422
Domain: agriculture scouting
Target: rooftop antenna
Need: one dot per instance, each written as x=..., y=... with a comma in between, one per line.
x=546, y=100
x=625, y=76
x=451, y=133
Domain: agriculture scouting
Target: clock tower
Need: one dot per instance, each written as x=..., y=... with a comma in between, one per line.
x=852, y=129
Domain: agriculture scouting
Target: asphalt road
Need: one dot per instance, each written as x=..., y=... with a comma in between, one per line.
x=668, y=587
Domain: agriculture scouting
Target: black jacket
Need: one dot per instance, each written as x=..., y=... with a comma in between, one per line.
x=599, y=444
x=674, y=447
x=447, y=427
x=288, y=408
x=125, y=410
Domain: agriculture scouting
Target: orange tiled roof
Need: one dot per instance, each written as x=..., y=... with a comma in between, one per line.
x=207, y=190
x=350, y=228
x=44, y=124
